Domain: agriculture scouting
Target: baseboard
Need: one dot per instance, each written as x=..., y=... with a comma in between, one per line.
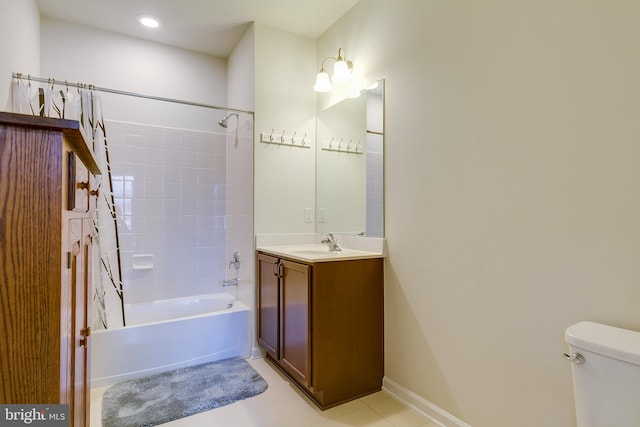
x=257, y=353
x=435, y=414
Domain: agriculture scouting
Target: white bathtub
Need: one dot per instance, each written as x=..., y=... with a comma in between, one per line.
x=169, y=334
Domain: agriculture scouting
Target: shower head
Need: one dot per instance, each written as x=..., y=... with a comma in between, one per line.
x=223, y=122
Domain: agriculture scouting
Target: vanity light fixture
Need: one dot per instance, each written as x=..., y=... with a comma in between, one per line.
x=149, y=21
x=342, y=70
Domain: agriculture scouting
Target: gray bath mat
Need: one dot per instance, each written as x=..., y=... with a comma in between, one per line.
x=168, y=396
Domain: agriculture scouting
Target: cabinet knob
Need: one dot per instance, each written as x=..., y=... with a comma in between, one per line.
x=277, y=269
x=83, y=185
x=95, y=192
x=280, y=270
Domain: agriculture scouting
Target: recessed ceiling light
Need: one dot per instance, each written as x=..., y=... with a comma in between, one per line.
x=149, y=21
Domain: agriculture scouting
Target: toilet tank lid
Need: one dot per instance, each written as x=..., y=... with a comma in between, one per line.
x=618, y=343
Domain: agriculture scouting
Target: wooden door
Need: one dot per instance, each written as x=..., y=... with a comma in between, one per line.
x=80, y=266
x=268, y=304
x=83, y=387
x=295, y=349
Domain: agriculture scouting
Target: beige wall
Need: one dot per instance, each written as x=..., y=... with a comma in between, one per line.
x=19, y=44
x=512, y=204
x=284, y=176
x=77, y=53
x=240, y=219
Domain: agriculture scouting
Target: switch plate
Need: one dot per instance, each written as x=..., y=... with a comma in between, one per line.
x=322, y=214
x=308, y=215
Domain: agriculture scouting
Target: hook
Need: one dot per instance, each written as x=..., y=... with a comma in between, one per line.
x=271, y=135
x=340, y=143
x=349, y=144
x=293, y=138
x=282, y=137
x=303, y=139
x=331, y=143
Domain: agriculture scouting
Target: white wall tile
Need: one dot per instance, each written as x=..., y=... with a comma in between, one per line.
x=171, y=184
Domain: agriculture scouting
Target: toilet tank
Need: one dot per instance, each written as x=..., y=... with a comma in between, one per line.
x=607, y=384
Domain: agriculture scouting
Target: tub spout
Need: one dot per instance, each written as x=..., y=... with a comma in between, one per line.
x=230, y=282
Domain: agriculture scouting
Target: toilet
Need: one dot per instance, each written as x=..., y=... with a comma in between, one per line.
x=606, y=374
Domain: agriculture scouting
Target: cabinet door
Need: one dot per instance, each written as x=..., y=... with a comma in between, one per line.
x=80, y=265
x=295, y=351
x=83, y=387
x=268, y=298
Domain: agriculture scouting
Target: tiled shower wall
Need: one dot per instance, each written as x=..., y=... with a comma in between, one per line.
x=375, y=185
x=375, y=164
x=170, y=189
x=240, y=205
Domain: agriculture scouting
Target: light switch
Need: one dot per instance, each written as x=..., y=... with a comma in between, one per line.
x=322, y=214
x=308, y=215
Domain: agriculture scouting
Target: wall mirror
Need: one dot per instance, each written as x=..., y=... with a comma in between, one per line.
x=350, y=165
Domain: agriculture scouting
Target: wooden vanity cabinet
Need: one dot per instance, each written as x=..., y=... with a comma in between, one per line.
x=46, y=204
x=322, y=324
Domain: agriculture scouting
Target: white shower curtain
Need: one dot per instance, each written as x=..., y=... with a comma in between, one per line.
x=84, y=105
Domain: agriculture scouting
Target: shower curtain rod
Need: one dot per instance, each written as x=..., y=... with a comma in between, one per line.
x=20, y=76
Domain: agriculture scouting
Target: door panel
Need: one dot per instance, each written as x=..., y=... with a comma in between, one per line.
x=83, y=313
x=80, y=242
x=295, y=348
x=268, y=299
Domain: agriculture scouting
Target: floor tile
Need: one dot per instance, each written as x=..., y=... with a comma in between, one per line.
x=341, y=410
x=282, y=404
x=364, y=417
x=398, y=414
x=374, y=398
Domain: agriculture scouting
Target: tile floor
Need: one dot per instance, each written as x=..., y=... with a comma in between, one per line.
x=283, y=405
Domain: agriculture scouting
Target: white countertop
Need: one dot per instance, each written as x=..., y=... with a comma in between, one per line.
x=317, y=253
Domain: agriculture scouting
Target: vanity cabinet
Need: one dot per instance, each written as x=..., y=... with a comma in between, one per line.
x=321, y=323
x=46, y=203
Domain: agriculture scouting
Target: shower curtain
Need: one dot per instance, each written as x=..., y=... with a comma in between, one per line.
x=81, y=103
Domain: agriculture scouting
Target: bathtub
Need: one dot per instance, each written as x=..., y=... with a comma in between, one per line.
x=169, y=334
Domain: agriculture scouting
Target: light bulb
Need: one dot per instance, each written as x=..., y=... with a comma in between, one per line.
x=323, y=83
x=341, y=71
x=149, y=21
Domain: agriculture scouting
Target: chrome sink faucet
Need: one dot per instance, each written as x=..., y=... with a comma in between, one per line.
x=331, y=241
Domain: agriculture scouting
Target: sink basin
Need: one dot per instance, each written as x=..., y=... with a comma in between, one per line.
x=305, y=249
x=309, y=249
x=310, y=252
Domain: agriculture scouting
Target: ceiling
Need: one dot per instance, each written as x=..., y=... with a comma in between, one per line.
x=213, y=27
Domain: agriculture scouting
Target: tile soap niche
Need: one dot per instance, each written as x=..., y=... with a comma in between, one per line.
x=143, y=262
